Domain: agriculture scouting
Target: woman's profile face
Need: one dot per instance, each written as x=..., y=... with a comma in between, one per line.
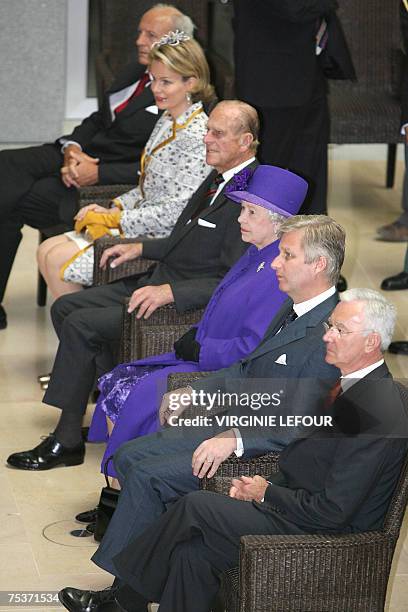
x=169, y=89
x=256, y=225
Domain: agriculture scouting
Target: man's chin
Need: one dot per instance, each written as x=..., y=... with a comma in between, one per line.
x=143, y=58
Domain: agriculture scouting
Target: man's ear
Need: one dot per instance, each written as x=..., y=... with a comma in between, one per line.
x=320, y=264
x=373, y=342
x=246, y=139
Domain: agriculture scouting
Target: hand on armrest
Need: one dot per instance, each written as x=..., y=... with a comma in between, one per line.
x=121, y=253
x=147, y=299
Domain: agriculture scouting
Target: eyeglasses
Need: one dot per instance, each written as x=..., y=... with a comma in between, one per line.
x=330, y=327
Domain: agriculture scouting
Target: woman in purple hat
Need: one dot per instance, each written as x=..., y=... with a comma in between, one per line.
x=233, y=323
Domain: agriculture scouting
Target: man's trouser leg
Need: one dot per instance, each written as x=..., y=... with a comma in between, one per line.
x=179, y=559
x=32, y=193
x=154, y=472
x=87, y=324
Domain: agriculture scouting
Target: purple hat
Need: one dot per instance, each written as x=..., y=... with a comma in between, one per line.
x=274, y=188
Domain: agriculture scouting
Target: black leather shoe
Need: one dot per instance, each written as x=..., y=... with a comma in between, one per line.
x=394, y=283
x=3, y=318
x=341, y=284
x=399, y=348
x=89, y=516
x=77, y=600
x=48, y=455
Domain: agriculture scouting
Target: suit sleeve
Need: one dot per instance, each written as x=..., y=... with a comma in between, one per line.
x=356, y=468
x=155, y=249
x=84, y=132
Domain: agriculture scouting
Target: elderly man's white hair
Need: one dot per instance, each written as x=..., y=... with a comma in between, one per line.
x=181, y=21
x=379, y=314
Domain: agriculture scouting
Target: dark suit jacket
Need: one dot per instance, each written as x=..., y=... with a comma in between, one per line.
x=304, y=379
x=342, y=479
x=404, y=88
x=118, y=143
x=194, y=258
x=274, y=42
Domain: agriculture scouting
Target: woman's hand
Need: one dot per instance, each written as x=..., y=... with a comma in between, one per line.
x=96, y=208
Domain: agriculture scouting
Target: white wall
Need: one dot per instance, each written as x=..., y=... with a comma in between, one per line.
x=32, y=69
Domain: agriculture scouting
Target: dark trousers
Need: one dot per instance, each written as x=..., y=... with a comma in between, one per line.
x=154, y=471
x=32, y=193
x=297, y=138
x=88, y=325
x=179, y=559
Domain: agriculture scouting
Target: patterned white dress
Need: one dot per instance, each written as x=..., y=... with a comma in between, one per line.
x=174, y=167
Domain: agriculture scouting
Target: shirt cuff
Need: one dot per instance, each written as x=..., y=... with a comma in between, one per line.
x=65, y=143
x=239, y=451
x=403, y=128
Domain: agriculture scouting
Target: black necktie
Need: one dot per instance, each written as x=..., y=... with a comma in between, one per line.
x=206, y=201
x=291, y=316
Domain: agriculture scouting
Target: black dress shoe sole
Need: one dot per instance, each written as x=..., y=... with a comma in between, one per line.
x=43, y=468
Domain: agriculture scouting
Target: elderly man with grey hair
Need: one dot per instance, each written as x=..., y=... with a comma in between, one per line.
x=337, y=479
x=39, y=185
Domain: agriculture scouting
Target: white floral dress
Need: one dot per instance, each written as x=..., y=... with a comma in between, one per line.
x=173, y=166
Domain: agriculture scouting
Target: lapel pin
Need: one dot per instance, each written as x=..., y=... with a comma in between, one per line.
x=261, y=266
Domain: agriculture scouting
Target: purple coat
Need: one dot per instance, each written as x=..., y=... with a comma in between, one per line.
x=233, y=324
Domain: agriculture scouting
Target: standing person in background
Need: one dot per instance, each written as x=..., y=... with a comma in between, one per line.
x=398, y=230
x=284, y=51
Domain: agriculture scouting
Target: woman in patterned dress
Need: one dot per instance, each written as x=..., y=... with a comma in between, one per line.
x=173, y=166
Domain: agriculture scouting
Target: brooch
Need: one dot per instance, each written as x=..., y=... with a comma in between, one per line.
x=261, y=266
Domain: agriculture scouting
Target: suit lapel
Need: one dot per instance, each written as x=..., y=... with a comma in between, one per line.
x=182, y=226
x=299, y=328
x=141, y=101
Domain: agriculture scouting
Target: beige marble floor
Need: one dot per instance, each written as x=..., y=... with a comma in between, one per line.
x=36, y=510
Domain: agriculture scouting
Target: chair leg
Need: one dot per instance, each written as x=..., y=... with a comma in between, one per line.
x=391, y=157
x=41, y=291
x=41, y=284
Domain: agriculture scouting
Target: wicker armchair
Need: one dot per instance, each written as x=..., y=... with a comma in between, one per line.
x=102, y=194
x=155, y=335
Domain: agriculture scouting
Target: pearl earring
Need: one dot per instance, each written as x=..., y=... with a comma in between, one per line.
x=188, y=97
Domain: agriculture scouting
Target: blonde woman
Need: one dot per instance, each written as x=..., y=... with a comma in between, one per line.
x=172, y=167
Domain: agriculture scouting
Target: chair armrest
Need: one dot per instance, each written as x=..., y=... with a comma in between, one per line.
x=101, y=194
x=157, y=339
x=183, y=379
x=130, y=268
x=234, y=467
x=163, y=316
x=301, y=572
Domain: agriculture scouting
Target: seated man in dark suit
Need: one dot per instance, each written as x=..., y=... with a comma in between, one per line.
x=39, y=185
x=337, y=479
x=203, y=245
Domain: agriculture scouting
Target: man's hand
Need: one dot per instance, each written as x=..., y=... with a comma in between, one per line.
x=249, y=489
x=211, y=453
x=174, y=403
x=96, y=208
x=147, y=299
x=122, y=253
x=79, y=169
